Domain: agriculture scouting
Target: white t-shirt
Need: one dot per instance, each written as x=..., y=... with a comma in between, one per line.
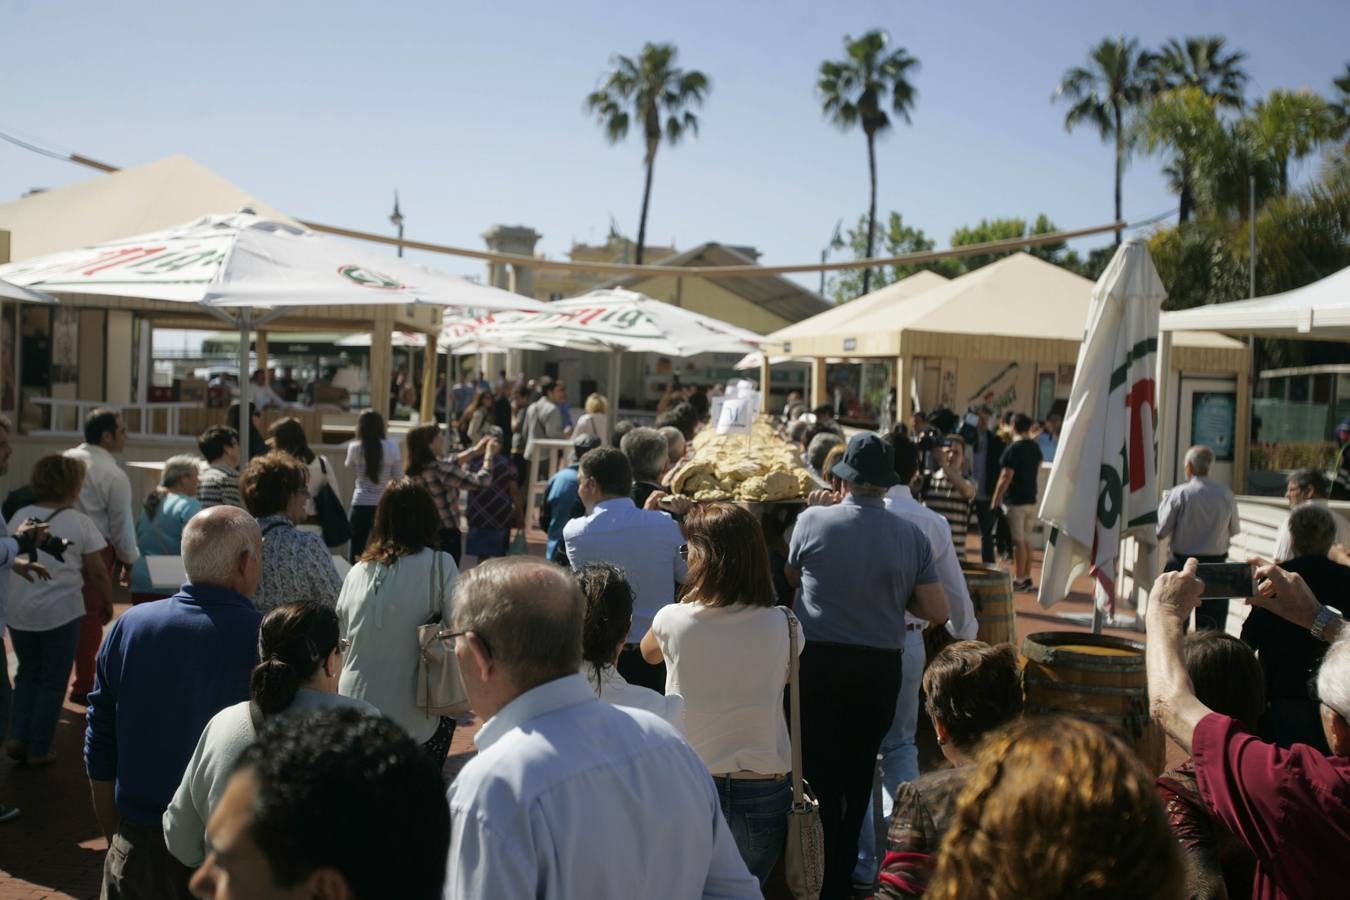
x=730, y=665
x=44, y=605
x=615, y=690
x=366, y=492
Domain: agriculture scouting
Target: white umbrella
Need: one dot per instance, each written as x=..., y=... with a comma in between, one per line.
x=1103, y=484
x=247, y=261
x=243, y=260
x=15, y=292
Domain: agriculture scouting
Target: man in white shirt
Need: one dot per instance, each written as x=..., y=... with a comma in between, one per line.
x=644, y=543
x=1200, y=517
x=261, y=395
x=899, y=753
x=105, y=498
x=568, y=796
x=1308, y=486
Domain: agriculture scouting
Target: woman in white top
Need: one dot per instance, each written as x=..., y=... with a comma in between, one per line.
x=375, y=461
x=400, y=583
x=609, y=615
x=301, y=655
x=595, y=420
x=726, y=647
x=44, y=615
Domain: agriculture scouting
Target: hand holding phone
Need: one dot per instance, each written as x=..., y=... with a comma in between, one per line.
x=1226, y=580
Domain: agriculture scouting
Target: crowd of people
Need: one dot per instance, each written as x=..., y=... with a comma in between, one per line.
x=259, y=731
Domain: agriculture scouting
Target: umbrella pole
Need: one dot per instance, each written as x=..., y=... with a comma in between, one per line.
x=245, y=421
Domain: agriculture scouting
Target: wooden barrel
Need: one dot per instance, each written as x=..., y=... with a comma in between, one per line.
x=1098, y=678
x=992, y=594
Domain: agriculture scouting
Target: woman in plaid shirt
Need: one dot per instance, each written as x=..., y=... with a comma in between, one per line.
x=444, y=476
x=494, y=510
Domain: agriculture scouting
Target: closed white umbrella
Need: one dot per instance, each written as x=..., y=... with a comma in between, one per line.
x=1103, y=484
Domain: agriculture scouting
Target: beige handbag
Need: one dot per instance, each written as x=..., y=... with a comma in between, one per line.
x=804, y=858
x=440, y=689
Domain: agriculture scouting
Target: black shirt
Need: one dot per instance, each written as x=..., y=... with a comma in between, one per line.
x=1024, y=458
x=1289, y=654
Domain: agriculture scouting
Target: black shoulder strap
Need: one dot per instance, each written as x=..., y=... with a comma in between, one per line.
x=323, y=466
x=55, y=514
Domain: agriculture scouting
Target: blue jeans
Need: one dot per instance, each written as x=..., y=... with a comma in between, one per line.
x=45, y=658
x=899, y=755
x=756, y=810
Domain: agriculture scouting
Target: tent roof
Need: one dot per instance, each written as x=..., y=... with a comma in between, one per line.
x=1018, y=296
x=780, y=296
x=1320, y=310
x=120, y=204
x=877, y=301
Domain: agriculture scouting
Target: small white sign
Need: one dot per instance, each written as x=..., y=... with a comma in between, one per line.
x=735, y=417
x=715, y=409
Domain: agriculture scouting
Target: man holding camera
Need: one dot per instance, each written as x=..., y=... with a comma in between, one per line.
x=950, y=490
x=26, y=537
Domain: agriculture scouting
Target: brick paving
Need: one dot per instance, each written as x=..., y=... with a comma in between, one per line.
x=54, y=849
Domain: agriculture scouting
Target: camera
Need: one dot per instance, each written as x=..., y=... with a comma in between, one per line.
x=51, y=545
x=928, y=439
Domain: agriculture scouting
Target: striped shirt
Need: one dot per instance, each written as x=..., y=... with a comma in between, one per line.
x=943, y=498
x=219, y=486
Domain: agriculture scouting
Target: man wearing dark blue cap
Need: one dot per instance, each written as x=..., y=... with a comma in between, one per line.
x=859, y=569
x=1340, y=489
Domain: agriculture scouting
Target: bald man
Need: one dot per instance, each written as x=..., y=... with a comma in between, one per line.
x=164, y=670
x=568, y=796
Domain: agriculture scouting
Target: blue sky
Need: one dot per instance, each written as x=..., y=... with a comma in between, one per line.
x=474, y=110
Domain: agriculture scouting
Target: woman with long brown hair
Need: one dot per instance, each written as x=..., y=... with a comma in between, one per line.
x=445, y=476
x=1056, y=807
x=374, y=459
x=400, y=582
x=725, y=645
x=476, y=417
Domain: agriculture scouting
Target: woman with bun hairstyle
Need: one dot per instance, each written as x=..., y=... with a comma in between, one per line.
x=300, y=659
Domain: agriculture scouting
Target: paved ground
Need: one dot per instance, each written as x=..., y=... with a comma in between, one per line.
x=54, y=850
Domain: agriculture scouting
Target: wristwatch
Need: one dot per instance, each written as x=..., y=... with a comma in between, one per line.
x=1325, y=616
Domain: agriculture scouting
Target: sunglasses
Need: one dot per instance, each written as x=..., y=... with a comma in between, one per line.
x=343, y=645
x=684, y=552
x=452, y=635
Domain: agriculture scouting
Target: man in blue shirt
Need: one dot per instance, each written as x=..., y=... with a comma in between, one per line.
x=165, y=669
x=860, y=569
x=561, y=504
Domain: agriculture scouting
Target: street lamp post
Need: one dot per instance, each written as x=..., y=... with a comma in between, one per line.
x=396, y=217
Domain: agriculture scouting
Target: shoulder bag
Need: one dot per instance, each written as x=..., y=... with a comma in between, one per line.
x=329, y=511
x=440, y=689
x=804, y=858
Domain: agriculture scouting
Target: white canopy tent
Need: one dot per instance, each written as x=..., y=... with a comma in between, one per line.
x=22, y=294
x=248, y=262
x=1320, y=310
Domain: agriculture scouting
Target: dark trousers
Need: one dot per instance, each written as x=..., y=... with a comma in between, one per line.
x=1213, y=613
x=363, y=517
x=637, y=670
x=452, y=543
x=848, y=699
x=139, y=866
x=987, y=521
x=91, y=631
x=40, y=686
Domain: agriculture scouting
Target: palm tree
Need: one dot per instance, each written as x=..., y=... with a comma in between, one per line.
x=1341, y=105
x=1200, y=62
x=857, y=91
x=1111, y=82
x=1184, y=120
x=655, y=93
x=1289, y=125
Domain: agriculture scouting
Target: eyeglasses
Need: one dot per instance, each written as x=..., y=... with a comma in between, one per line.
x=684, y=552
x=343, y=645
x=452, y=635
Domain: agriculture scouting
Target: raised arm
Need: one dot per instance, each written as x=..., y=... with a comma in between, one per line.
x=1171, y=695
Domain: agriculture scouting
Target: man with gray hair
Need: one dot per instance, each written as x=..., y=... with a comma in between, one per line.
x=675, y=444
x=1200, y=516
x=649, y=455
x=1308, y=486
x=1289, y=654
x=568, y=796
x=164, y=670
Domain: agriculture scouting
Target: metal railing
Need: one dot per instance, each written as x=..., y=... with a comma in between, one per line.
x=67, y=416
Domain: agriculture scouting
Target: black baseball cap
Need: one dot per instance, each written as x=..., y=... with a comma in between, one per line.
x=867, y=460
x=583, y=444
